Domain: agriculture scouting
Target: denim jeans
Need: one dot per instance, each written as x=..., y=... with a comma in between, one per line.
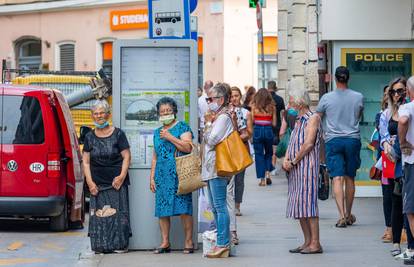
x=231, y=204
x=263, y=149
x=217, y=191
x=239, y=186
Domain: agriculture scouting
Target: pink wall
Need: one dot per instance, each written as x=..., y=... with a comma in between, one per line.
x=230, y=38
x=240, y=40
x=210, y=27
x=84, y=26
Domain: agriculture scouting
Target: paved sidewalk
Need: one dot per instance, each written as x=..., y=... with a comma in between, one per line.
x=266, y=236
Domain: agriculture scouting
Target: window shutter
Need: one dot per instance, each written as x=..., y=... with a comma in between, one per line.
x=67, y=57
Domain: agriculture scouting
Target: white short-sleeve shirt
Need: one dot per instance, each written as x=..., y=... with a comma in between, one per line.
x=202, y=109
x=407, y=110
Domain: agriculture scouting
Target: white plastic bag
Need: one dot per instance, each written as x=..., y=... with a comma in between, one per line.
x=205, y=214
x=378, y=165
x=209, y=241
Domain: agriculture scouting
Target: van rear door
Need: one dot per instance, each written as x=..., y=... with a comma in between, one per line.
x=24, y=150
x=75, y=178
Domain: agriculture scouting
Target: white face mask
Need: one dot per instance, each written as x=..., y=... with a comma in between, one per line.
x=167, y=119
x=213, y=106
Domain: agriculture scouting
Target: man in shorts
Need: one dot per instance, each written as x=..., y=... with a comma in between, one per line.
x=341, y=111
x=406, y=137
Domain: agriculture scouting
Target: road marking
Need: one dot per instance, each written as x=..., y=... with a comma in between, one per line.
x=15, y=245
x=52, y=246
x=71, y=234
x=9, y=262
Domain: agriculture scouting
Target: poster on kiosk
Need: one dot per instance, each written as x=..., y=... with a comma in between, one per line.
x=144, y=72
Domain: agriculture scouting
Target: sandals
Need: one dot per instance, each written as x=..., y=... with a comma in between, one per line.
x=268, y=181
x=238, y=213
x=162, y=250
x=341, y=223
x=188, y=250
x=351, y=219
x=387, y=237
x=234, y=238
x=307, y=251
x=296, y=250
x=262, y=182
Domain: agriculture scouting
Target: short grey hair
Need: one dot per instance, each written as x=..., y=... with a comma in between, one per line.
x=222, y=90
x=300, y=97
x=410, y=84
x=101, y=104
x=167, y=101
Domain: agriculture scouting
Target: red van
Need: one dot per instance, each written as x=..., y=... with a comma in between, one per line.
x=40, y=161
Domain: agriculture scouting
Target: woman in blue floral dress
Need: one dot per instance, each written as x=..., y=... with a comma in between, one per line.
x=174, y=136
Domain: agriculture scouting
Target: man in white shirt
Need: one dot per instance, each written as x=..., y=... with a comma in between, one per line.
x=203, y=106
x=406, y=137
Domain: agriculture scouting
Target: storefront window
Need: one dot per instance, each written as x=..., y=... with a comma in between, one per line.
x=200, y=62
x=29, y=54
x=107, y=57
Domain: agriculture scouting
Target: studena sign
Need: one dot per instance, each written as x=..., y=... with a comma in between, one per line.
x=129, y=19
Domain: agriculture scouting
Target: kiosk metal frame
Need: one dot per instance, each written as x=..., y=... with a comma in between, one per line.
x=145, y=227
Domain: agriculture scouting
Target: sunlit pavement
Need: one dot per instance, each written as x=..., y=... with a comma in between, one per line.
x=30, y=243
x=265, y=238
x=266, y=235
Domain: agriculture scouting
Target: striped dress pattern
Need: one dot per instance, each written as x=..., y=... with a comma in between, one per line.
x=303, y=177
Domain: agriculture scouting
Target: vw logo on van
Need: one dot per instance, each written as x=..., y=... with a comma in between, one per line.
x=12, y=165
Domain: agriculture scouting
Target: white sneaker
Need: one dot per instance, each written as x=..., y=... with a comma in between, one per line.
x=405, y=255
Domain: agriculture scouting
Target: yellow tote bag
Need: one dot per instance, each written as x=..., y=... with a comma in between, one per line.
x=232, y=156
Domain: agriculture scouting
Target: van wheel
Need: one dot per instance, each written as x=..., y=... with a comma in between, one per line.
x=60, y=223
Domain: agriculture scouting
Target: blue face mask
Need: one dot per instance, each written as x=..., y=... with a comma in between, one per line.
x=101, y=126
x=407, y=99
x=293, y=112
x=213, y=106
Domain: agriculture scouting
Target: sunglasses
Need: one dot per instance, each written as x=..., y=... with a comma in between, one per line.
x=210, y=99
x=398, y=91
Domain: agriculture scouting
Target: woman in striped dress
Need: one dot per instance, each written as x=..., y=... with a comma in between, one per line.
x=302, y=164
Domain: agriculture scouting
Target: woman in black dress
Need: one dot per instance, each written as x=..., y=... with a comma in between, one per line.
x=106, y=158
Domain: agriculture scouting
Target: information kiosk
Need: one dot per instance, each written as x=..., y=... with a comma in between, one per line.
x=145, y=71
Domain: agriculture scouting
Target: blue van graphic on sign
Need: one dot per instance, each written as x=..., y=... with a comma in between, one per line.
x=167, y=17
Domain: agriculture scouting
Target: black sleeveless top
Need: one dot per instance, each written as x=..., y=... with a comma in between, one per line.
x=106, y=159
x=393, y=127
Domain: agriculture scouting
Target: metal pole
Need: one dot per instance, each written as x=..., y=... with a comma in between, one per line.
x=260, y=22
x=3, y=70
x=263, y=62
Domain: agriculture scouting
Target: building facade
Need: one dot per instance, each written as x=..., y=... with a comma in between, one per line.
x=373, y=38
x=78, y=35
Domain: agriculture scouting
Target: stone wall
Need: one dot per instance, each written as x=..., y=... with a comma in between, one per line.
x=298, y=46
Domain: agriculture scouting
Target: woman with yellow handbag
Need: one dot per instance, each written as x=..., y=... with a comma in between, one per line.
x=218, y=126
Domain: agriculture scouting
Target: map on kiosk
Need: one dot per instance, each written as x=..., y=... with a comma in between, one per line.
x=147, y=75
